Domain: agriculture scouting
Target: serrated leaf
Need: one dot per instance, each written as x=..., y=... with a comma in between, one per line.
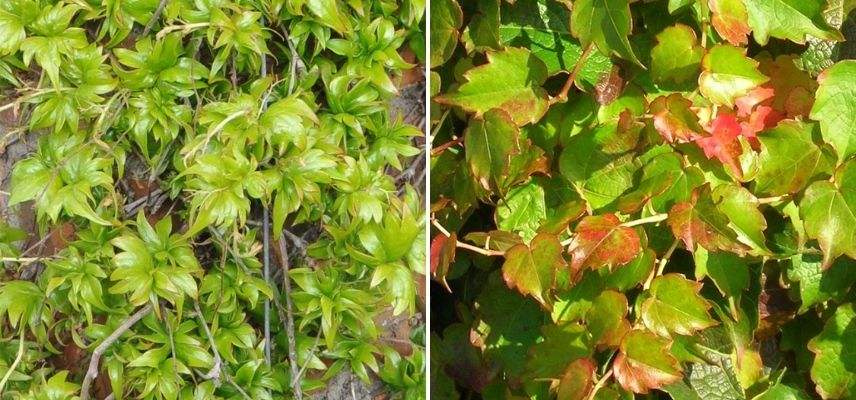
x=816, y=285
x=828, y=211
x=645, y=363
x=532, y=269
x=728, y=74
x=741, y=208
x=731, y=20
x=519, y=93
x=789, y=159
x=794, y=20
x=831, y=370
x=522, y=211
x=562, y=345
x=542, y=27
x=835, y=109
x=446, y=21
x=699, y=222
x=576, y=383
x=606, y=319
x=677, y=56
x=674, y=306
x=729, y=272
x=605, y=23
x=601, y=241
x=491, y=142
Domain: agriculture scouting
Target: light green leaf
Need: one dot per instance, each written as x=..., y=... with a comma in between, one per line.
x=674, y=306
x=794, y=20
x=829, y=213
x=835, y=107
x=728, y=74
x=605, y=23
x=831, y=370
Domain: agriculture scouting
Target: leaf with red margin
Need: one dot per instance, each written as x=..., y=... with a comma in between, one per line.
x=731, y=20
x=674, y=119
x=576, y=383
x=602, y=241
x=794, y=89
x=699, y=222
x=442, y=256
x=531, y=270
x=723, y=143
x=644, y=362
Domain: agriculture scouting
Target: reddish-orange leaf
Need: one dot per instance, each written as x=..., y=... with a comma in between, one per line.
x=699, y=222
x=674, y=119
x=731, y=20
x=576, y=381
x=794, y=89
x=645, y=362
x=442, y=256
x=602, y=241
x=722, y=143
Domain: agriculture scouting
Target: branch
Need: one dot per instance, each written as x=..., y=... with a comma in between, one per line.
x=154, y=17
x=563, y=95
x=92, y=371
x=661, y=266
x=289, y=320
x=15, y=363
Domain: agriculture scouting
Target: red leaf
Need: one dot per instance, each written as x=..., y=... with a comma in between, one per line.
x=442, y=255
x=722, y=142
x=674, y=119
x=602, y=241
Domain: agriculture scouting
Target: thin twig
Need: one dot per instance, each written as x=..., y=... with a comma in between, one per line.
x=15, y=363
x=572, y=77
x=600, y=384
x=661, y=266
x=289, y=322
x=214, y=373
x=266, y=271
x=155, y=17
x=92, y=371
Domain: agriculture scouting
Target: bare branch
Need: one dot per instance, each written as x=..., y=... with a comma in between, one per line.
x=289, y=320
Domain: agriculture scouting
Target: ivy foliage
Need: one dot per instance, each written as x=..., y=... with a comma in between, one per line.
x=201, y=172
x=643, y=199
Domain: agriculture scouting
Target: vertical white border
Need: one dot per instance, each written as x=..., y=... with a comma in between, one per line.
x=428, y=141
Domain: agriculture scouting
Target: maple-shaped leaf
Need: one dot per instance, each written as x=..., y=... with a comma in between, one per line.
x=491, y=141
x=607, y=24
x=835, y=107
x=606, y=320
x=794, y=20
x=789, y=159
x=644, y=362
x=562, y=345
x=730, y=20
x=577, y=381
x=832, y=369
x=699, y=222
x=677, y=56
x=674, y=119
x=601, y=241
x=442, y=256
x=728, y=74
x=828, y=210
x=793, y=88
x=723, y=143
x=532, y=269
x=673, y=305
x=446, y=20
x=511, y=80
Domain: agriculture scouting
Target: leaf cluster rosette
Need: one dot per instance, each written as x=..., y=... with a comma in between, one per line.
x=635, y=199
x=174, y=151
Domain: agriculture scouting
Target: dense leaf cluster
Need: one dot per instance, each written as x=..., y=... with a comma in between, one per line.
x=187, y=152
x=643, y=199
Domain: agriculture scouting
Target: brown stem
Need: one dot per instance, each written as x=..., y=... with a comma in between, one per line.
x=441, y=148
x=289, y=319
x=563, y=95
x=92, y=371
x=154, y=17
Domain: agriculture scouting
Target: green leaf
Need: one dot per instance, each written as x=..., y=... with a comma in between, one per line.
x=729, y=272
x=21, y=301
x=601, y=241
x=816, y=285
x=728, y=74
x=542, y=27
x=644, y=362
x=491, y=142
x=828, y=211
x=605, y=23
x=562, y=345
x=483, y=30
x=446, y=20
x=677, y=56
x=789, y=159
x=606, y=319
x=674, y=306
x=522, y=211
x=699, y=222
x=741, y=207
x=532, y=269
x=520, y=75
x=834, y=107
x=794, y=20
x=831, y=370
